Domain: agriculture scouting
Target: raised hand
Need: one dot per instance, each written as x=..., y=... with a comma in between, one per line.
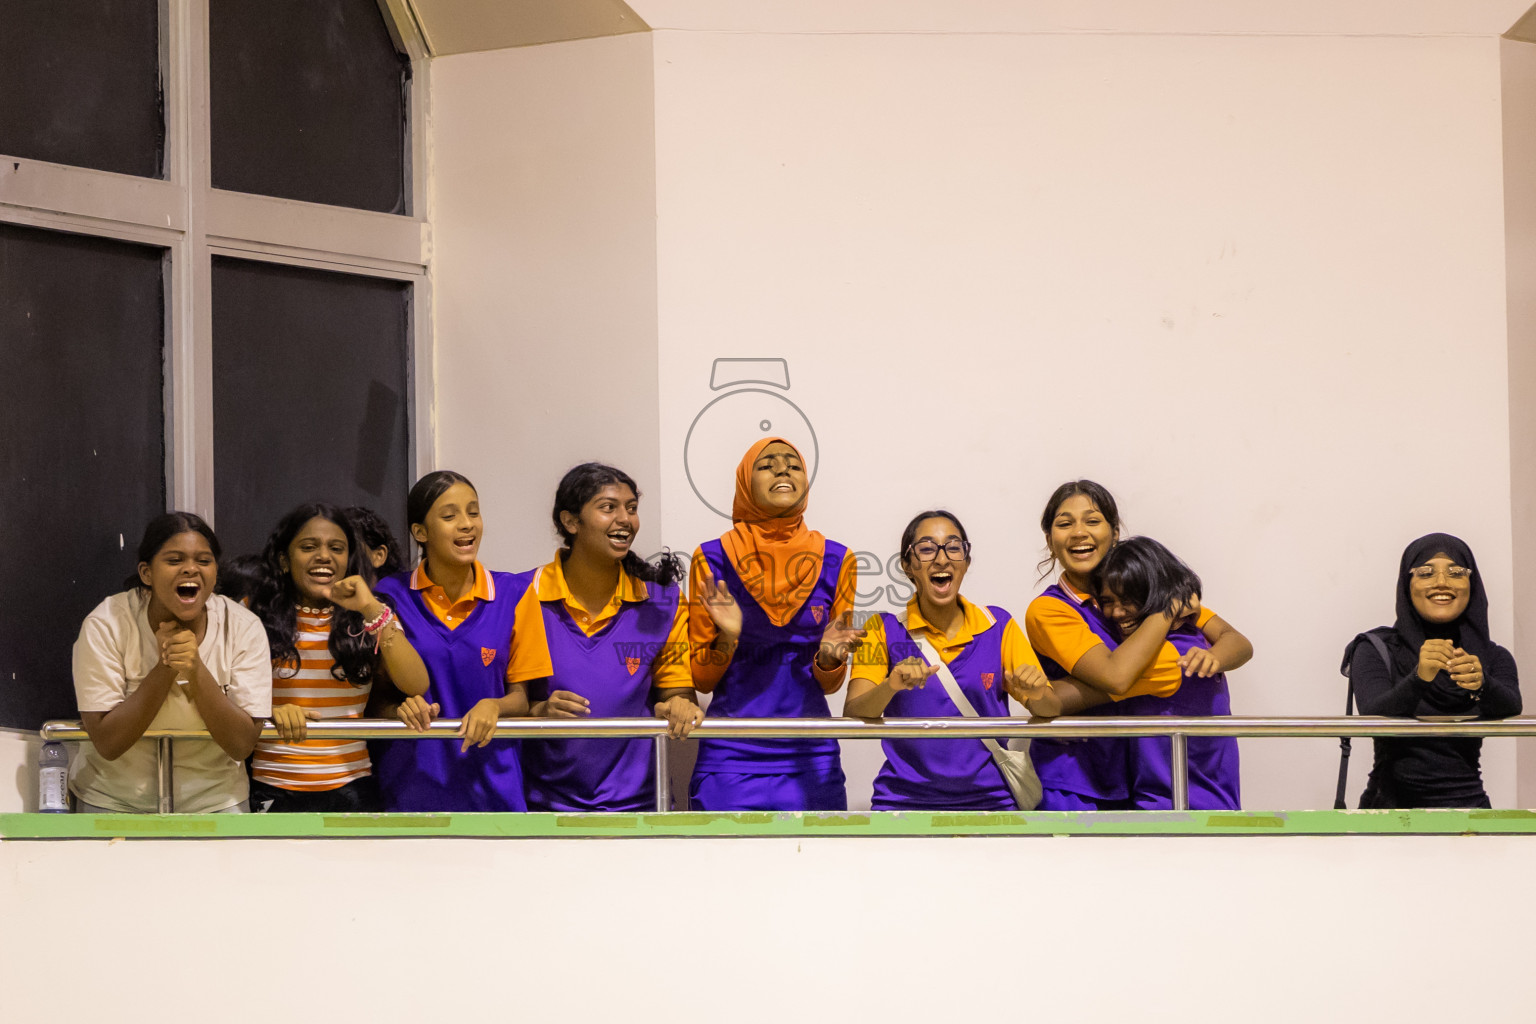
x=1465, y=669
x=839, y=639
x=1434, y=658
x=291, y=721
x=1199, y=663
x=1187, y=609
x=1028, y=685
x=910, y=674
x=352, y=593
x=178, y=649
x=721, y=605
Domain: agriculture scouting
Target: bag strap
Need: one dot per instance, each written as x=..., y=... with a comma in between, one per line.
x=951, y=687
x=1345, y=745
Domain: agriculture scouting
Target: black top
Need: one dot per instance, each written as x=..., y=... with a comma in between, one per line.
x=1437, y=771
x=1443, y=771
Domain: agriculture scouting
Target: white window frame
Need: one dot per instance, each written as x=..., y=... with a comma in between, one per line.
x=194, y=222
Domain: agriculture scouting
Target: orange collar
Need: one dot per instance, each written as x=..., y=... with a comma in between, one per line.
x=483, y=590
x=976, y=620
x=552, y=586
x=1081, y=596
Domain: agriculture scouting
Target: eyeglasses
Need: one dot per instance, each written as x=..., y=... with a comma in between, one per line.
x=1429, y=572
x=927, y=550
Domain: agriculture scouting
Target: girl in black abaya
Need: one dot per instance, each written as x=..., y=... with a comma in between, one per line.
x=1440, y=662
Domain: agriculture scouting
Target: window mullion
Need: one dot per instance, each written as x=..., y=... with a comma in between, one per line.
x=189, y=413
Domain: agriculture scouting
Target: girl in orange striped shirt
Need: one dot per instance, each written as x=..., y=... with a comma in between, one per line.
x=330, y=639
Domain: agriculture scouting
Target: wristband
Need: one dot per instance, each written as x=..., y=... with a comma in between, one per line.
x=376, y=626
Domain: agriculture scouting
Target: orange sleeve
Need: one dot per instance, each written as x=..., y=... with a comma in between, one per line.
x=872, y=660
x=530, y=648
x=669, y=669
x=1016, y=649
x=1164, y=676
x=705, y=666
x=847, y=585
x=842, y=603
x=1161, y=679
x=1057, y=632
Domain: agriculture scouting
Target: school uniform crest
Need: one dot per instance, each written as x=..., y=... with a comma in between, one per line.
x=487, y=655
x=633, y=664
x=988, y=678
x=818, y=612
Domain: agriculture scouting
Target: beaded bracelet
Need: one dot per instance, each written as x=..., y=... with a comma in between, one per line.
x=375, y=628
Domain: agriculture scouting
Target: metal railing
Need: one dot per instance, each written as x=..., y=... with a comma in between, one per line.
x=1177, y=729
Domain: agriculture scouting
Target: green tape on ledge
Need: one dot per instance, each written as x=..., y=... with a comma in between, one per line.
x=386, y=821
x=765, y=824
x=125, y=824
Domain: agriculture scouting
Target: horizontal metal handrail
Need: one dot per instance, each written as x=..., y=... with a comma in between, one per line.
x=1179, y=730
x=882, y=728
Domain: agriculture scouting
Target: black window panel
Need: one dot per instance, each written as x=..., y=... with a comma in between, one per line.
x=308, y=102
x=82, y=417
x=309, y=395
x=80, y=84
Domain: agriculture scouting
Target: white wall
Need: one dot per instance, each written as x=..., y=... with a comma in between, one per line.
x=544, y=277
x=1254, y=285
x=18, y=770
x=1248, y=929
x=1519, y=107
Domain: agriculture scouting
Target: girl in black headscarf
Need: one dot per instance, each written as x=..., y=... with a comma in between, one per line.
x=1442, y=662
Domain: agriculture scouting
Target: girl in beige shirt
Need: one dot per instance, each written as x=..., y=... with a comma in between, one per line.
x=169, y=653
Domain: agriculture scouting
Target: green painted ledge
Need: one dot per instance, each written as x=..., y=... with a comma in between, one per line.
x=879, y=823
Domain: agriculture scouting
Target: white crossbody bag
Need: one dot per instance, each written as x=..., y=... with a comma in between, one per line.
x=1013, y=760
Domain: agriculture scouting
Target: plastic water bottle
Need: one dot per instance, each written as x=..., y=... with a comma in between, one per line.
x=53, y=779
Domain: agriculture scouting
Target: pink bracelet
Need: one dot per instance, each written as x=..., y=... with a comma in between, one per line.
x=376, y=627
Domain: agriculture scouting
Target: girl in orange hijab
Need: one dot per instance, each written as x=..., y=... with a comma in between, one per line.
x=770, y=609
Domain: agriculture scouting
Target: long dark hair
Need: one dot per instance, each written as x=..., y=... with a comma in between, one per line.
x=373, y=530
x=1096, y=493
x=276, y=600
x=240, y=577
x=579, y=486
x=909, y=535
x=1147, y=575
x=160, y=530
x=424, y=495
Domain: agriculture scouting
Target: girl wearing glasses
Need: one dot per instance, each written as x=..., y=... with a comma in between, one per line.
x=769, y=610
x=1440, y=662
x=984, y=650
x=1071, y=634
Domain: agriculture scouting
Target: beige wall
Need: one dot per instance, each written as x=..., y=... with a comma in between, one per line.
x=544, y=277
x=809, y=930
x=1228, y=276
x=1519, y=107
x=18, y=770
x=1232, y=278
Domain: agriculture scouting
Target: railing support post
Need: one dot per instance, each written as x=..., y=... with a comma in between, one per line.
x=165, y=775
x=663, y=778
x=1180, y=766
